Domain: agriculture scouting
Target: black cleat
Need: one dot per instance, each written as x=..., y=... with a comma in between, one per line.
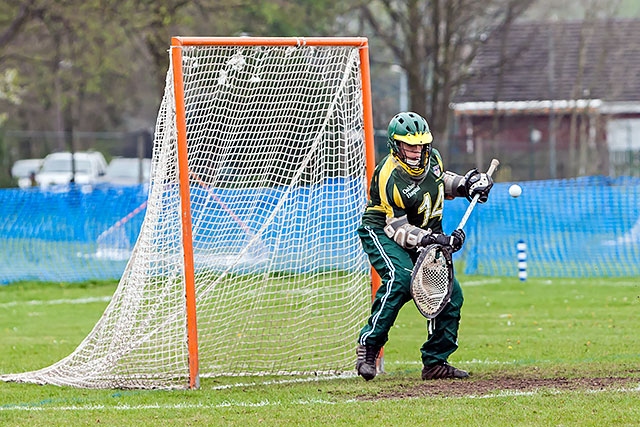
x=442, y=371
x=366, y=361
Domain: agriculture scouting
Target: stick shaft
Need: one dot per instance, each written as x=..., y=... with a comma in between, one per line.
x=474, y=201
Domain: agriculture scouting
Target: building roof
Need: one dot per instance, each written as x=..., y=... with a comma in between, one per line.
x=544, y=63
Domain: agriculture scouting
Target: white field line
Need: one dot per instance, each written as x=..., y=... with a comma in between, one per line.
x=56, y=302
x=240, y=404
x=482, y=282
x=490, y=281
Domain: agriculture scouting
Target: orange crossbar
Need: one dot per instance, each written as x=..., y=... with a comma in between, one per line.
x=270, y=41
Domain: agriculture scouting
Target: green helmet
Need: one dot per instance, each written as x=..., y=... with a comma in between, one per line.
x=412, y=129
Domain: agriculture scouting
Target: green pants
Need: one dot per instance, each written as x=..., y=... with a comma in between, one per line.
x=394, y=265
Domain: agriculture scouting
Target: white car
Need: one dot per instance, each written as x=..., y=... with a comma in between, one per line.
x=22, y=170
x=128, y=171
x=57, y=168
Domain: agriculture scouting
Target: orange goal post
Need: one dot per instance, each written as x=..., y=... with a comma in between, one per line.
x=248, y=260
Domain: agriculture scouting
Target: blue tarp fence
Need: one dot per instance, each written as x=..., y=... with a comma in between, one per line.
x=582, y=227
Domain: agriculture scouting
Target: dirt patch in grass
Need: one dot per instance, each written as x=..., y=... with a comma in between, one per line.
x=505, y=385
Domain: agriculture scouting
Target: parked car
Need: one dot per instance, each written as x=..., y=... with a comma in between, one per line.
x=57, y=168
x=24, y=171
x=128, y=171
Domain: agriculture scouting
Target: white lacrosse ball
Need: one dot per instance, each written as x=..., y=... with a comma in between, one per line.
x=515, y=190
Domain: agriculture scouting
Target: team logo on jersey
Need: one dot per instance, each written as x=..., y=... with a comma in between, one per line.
x=411, y=190
x=436, y=170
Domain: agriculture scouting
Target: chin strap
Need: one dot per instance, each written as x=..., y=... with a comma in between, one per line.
x=413, y=173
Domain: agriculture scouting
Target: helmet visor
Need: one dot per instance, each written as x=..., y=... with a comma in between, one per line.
x=423, y=138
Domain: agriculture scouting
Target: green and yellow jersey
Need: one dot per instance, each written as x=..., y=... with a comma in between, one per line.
x=395, y=193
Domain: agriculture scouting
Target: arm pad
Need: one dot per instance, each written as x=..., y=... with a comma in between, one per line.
x=454, y=185
x=406, y=235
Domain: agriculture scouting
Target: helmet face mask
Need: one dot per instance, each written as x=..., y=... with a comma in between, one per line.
x=410, y=129
x=411, y=161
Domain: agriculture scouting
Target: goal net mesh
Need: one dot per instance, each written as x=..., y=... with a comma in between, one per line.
x=277, y=184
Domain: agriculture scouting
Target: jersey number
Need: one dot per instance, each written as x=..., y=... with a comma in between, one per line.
x=431, y=212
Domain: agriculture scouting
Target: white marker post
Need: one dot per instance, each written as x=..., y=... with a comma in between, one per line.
x=522, y=260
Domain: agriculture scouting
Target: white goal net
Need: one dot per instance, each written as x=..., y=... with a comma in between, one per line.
x=276, y=174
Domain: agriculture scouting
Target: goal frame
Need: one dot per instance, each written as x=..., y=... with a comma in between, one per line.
x=177, y=43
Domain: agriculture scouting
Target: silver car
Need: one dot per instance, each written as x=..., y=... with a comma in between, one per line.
x=58, y=168
x=24, y=171
x=128, y=171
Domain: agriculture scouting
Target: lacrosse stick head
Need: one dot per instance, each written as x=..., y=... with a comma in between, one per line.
x=432, y=280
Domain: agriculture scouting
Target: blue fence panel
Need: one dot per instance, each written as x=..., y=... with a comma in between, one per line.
x=572, y=228
x=55, y=235
x=582, y=227
x=316, y=224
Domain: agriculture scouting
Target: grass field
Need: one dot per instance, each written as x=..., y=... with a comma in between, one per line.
x=542, y=353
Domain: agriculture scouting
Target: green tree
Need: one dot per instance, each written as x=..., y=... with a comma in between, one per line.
x=69, y=56
x=14, y=16
x=435, y=43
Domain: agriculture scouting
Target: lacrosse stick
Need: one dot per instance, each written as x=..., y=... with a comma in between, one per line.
x=432, y=276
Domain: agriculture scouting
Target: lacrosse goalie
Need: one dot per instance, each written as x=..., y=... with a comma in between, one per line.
x=404, y=213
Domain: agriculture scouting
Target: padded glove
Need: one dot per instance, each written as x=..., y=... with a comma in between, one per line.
x=455, y=241
x=477, y=183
